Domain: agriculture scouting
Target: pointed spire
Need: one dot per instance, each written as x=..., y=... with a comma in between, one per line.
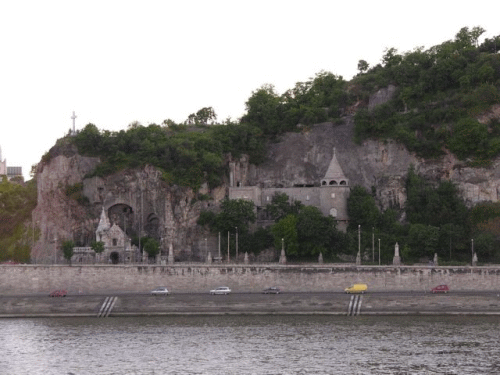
x=334, y=174
x=104, y=223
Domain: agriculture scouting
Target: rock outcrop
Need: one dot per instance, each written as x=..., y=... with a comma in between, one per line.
x=141, y=203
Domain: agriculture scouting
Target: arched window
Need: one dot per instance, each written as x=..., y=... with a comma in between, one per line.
x=333, y=212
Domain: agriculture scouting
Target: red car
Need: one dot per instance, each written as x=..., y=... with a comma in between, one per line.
x=440, y=289
x=58, y=293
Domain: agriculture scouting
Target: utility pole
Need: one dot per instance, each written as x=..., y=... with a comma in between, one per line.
x=379, y=251
x=373, y=245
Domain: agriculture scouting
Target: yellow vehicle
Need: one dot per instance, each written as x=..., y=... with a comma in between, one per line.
x=357, y=288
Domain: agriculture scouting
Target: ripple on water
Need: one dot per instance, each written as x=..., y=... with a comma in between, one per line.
x=251, y=345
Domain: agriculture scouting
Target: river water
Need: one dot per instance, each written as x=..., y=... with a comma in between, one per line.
x=251, y=345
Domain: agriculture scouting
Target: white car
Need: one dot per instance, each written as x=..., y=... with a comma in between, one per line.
x=221, y=290
x=160, y=291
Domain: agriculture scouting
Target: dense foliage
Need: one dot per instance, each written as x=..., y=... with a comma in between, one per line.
x=302, y=230
x=17, y=201
x=318, y=100
x=187, y=155
x=436, y=222
x=440, y=93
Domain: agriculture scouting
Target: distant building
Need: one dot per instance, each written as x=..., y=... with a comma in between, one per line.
x=117, y=245
x=330, y=197
x=10, y=172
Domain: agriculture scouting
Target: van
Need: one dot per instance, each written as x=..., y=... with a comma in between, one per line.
x=357, y=288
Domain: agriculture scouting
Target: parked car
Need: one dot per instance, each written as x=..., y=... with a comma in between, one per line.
x=221, y=290
x=58, y=293
x=356, y=288
x=272, y=290
x=160, y=291
x=440, y=289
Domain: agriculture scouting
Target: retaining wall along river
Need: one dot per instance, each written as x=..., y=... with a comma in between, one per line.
x=309, y=289
x=22, y=279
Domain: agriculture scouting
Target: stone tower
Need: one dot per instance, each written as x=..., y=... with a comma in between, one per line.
x=334, y=192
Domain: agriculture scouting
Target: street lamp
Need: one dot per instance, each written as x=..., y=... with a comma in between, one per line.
x=55, y=249
x=472, y=259
x=359, y=239
x=373, y=245
x=236, y=244
x=379, y=251
x=228, y=246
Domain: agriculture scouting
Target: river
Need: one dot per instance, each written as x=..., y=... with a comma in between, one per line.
x=301, y=344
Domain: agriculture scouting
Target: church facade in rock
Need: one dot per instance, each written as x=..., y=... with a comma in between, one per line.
x=330, y=196
x=117, y=245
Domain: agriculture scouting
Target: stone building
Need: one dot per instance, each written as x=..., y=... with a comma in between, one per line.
x=117, y=245
x=329, y=194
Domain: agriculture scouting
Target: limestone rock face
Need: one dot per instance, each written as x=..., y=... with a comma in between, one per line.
x=136, y=200
x=302, y=160
x=142, y=204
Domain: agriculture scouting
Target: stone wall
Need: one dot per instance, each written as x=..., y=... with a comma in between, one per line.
x=41, y=279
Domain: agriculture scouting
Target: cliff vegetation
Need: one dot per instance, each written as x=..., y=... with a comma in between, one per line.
x=444, y=99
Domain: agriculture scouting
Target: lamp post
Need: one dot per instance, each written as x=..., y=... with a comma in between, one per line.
x=373, y=245
x=55, y=249
x=359, y=239
x=228, y=246
x=236, y=244
x=379, y=251
x=472, y=247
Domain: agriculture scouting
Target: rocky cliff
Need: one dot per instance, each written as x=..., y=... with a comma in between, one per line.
x=140, y=199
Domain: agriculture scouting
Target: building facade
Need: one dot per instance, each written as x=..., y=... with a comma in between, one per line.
x=10, y=172
x=330, y=197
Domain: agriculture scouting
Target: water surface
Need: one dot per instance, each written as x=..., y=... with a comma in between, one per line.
x=251, y=345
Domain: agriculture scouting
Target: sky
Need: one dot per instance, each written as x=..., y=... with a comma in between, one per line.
x=115, y=62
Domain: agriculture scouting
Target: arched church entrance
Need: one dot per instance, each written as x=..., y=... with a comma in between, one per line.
x=114, y=257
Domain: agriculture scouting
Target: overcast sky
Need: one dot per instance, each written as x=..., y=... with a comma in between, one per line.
x=115, y=62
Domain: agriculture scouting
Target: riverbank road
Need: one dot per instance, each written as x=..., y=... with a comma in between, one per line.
x=372, y=303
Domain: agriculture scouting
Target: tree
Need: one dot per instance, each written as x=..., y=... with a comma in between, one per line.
x=151, y=246
x=97, y=246
x=67, y=247
x=202, y=117
x=362, y=66
x=423, y=240
x=263, y=110
x=362, y=209
x=314, y=231
x=281, y=206
x=235, y=213
x=285, y=233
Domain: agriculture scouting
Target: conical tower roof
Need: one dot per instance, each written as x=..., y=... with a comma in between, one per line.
x=104, y=223
x=334, y=171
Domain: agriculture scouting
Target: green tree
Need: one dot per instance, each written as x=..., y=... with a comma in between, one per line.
x=285, y=233
x=314, y=231
x=263, y=111
x=68, y=250
x=97, y=246
x=151, y=246
x=362, y=209
x=362, y=66
x=423, y=240
x=235, y=213
x=281, y=206
x=202, y=117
